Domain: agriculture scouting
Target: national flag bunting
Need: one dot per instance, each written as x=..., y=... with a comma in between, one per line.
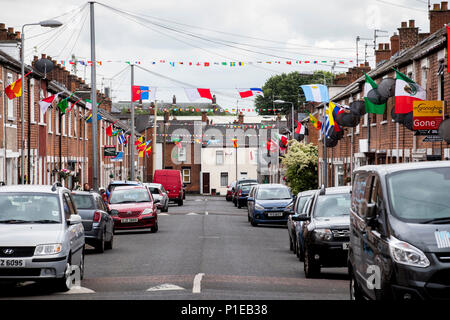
x=45, y=103
x=370, y=106
x=194, y=94
x=406, y=92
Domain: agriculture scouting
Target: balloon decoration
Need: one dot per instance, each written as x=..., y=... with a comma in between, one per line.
x=358, y=108
x=375, y=97
x=347, y=120
x=386, y=88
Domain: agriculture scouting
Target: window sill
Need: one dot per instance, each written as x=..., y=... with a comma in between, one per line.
x=373, y=124
x=383, y=122
x=9, y=125
x=364, y=125
x=12, y=119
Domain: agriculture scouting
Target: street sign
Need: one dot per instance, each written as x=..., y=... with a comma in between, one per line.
x=433, y=139
x=427, y=115
x=109, y=151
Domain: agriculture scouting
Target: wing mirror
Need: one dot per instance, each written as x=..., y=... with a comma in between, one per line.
x=74, y=219
x=114, y=212
x=371, y=215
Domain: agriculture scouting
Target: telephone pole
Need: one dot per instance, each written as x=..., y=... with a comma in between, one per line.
x=132, y=126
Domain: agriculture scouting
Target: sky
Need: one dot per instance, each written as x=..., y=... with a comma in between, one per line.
x=207, y=31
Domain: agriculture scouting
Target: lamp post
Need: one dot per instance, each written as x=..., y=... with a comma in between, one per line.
x=47, y=24
x=292, y=114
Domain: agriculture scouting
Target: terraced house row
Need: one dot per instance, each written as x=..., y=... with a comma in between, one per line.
x=57, y=146
x=377, y=139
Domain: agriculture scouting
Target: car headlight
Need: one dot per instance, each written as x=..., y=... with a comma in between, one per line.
x=147, y=211
x=47, y=249
x=323, y=234
x=259, y=207
x=404, y=253
x=289, y=207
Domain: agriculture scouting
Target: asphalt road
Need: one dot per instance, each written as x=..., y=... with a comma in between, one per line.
x=205, y=249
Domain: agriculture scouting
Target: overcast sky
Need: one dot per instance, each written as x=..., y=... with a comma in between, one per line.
x=285, y=28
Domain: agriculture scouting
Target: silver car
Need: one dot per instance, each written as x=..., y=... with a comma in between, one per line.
x=41, y=236
x=159, y=195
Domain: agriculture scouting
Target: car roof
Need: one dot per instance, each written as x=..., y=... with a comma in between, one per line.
x=273, y=185
x=85, y=193
x=129, y=187
x=338, y=190
x=155, y=185
x=391, y=168
x=32, y=189
x=306, y=193
x=130, y=182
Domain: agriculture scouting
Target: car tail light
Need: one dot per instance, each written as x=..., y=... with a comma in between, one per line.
x=240, y=192
x=97, y=216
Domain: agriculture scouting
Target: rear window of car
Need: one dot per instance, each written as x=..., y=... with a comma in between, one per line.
x=129, y=196
x=247, y=188
x=154, y=190
x=83, y=201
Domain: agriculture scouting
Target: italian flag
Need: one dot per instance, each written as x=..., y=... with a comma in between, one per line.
x=372, y=107
x=406, y=92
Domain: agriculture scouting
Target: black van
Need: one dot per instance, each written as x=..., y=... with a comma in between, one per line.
x=400, y=232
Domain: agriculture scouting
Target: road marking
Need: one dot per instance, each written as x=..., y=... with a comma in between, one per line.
x=209, y=237
x=166, y=287
x=206, y=213
x=163, y=214
x=78, y=290
x=197, y=283
x=192, y=214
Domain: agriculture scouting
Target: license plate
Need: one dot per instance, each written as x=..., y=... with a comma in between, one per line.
x=275, y=214
x=12, y=263
x=129, y=220
x=345, y=246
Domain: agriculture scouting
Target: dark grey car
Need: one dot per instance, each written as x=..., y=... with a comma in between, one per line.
x=98, y=224
x=159, y=195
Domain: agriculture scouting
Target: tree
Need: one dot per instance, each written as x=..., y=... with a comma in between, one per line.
x=301, y=166
x=286, y=87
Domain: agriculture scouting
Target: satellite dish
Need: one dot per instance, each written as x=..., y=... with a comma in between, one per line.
x=358, y=108
x=44, y=65
x=375, y=97
x=347, y=120
x=386, y=88
x=444, y=130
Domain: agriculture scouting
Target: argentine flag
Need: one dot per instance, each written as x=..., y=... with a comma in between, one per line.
x=315, y=92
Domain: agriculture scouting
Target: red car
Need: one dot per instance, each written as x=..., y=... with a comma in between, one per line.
x=133, y=207
x=230, y=191
x=172, y=182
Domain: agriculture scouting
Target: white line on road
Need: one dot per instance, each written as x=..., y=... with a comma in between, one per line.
x=165, y=287
x=78, y=290
x=197, y=283
x=206, y=213
x=192, y=214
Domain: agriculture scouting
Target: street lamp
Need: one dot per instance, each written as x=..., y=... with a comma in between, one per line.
x=292, y=112
x=47, y=24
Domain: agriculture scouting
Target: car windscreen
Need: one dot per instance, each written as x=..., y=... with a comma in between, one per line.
x=29, y=208
x=84, y=201
x=420, y=195
x=129, y=196
x=333, y=205
x=273, y=194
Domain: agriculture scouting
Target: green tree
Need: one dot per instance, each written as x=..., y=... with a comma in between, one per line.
x=287, y=87
x=301, y=166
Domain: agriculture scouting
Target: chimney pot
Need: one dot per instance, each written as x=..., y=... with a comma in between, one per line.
x=411, y=23
x=11, y=30
x=386, y=46
x=2, y=26
x=404, y=24
x=18, y=35
x=436, y=7
x=444, y=5
x=380, y=46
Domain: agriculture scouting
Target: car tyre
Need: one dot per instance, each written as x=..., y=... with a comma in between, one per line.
x=154, y=229
x=311, y=268
x=64, y=284
x=356, y=292
x=180, y=202
x=109, y=244
x=253, y=223
x=300, y=253
x=291, y=245
x=239, y=205
x=100, y=245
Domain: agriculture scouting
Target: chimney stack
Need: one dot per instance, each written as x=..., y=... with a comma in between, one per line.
x=383, y=53
x=409, y=35
x=439, y=16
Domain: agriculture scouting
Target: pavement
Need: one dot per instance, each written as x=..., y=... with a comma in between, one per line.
x=205, y=249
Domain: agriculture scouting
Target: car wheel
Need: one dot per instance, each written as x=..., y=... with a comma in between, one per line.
x=253, y=223
x=65, y=283
x=180, y=202
x=311, y=268
x=356, y=292
x=81, y=266
x=100, y=245
x=294, y=245
x=239, y=205
x=291, y=245
x=109, y=244
x=300, y=253
x=154, y=229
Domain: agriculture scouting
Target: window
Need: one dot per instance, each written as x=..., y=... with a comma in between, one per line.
x=219, y=157
x=244, y=175
x=69, y=120
x=32, y=120
x=10, y=102
x=181, y=154
x=358, y=193
x=41, y=114
x=63, y=124
x=57, y=116
x=186, y=175
x=224, y=179
x=49, y=120
x=75, y=119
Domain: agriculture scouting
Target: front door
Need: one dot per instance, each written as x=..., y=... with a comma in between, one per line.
x=206, y=185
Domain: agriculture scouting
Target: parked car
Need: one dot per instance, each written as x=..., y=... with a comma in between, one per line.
x=159, y=195
x=325, y=232
x=238, y=182
x=300, y=245
x=97, y=222
x=172, y=182
x=242, y=193
x=133, y=207
x=400, y=232
x=269, y=203
x=41, y=235
x=300, y=201
x=230, y=190
x=122, y=183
